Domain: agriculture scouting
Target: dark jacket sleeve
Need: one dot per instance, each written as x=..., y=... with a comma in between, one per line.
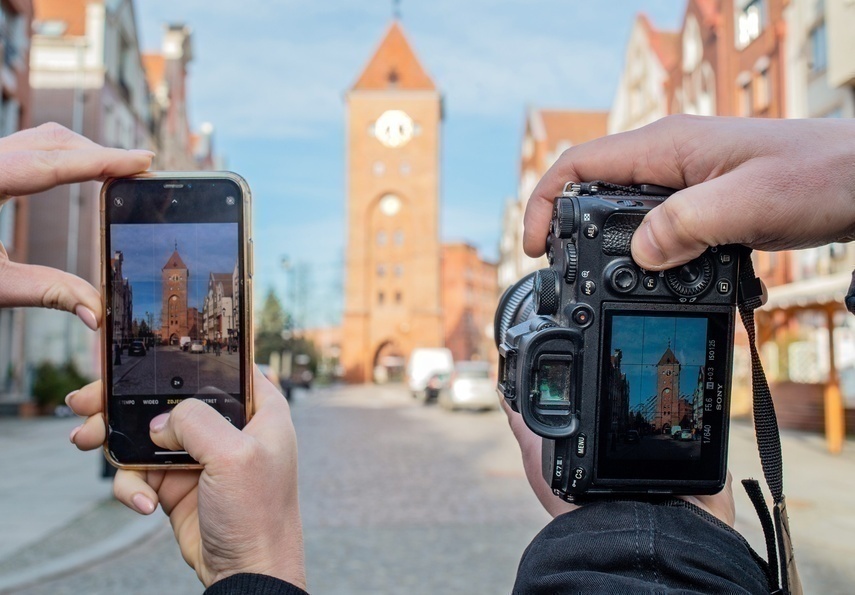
x=253, y=584
x=639, y=547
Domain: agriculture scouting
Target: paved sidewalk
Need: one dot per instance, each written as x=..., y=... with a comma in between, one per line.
x=56, y=513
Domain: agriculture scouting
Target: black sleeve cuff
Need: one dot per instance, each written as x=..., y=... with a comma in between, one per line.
x=253, y=584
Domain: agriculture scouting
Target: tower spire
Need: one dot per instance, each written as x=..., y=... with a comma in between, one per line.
x=396, y=10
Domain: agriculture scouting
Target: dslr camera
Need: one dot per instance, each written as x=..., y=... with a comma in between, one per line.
x=624, y=372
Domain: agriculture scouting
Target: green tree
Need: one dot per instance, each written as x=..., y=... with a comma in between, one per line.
x=272, y=322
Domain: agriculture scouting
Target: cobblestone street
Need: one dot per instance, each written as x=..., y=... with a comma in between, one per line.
x=396, y=497
x=153, y=373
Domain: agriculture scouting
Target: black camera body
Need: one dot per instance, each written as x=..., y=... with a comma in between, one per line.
x=625, y=373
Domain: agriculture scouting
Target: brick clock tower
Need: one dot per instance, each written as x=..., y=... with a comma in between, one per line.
x=668, y=409
x=392, y=291
x=174, y=278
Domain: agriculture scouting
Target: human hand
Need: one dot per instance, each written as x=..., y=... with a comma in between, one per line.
x=768, y=184
x=36, y=160
x=240, y=513
x=720, y=505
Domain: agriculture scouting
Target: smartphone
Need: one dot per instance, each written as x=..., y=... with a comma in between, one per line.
x=176, y=278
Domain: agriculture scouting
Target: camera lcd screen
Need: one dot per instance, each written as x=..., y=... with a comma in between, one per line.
x=174, y=287
x=662, y=372
x=553, y=378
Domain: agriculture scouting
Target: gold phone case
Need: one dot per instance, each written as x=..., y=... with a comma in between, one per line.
x=246, y=303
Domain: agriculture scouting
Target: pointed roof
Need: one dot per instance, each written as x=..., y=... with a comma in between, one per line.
x=174, y=262
x=666, y=44
x=394, y=65
x=556, y=127
x=668, y=358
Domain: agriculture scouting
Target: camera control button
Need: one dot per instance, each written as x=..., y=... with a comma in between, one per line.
x=572, y=259
x=578, y=473
x=723, y=287
x=589, y=287
x=591, y=231
x=581, y=445
x=649, y=282
x=582, y=316
x=624, y=279
x=725, y=258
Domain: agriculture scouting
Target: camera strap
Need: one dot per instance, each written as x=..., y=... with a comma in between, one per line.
x=776, y=525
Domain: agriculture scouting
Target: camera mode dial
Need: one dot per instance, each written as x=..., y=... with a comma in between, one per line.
x=691, y=279
x=546, y=292
x=563, y=218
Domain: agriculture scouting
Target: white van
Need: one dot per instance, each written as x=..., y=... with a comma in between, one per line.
x=427, y=363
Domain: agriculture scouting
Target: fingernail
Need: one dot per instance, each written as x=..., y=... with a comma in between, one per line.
x=159, y=422
x=143, y=504
x=87, y=316
x=74, y=433
x=69, y=396
x=149, y=154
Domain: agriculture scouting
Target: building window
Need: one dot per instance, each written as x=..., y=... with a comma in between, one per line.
x=398, y=297
x=818, y=48
x=761, y=91
x=399, y=238
x=399, y=270
x=745, y=98
x=749, y=22
x=381, y=238
x=381, y=270
x=380, y=297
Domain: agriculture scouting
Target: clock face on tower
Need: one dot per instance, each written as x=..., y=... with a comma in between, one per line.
x=394, y=128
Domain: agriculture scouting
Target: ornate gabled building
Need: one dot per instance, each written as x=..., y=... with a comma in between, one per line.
x=547, y=134
x=392, y=291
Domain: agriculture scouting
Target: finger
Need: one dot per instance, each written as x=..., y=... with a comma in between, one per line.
x=646, y=155
x=29, y=172
x=713, y=213
x=37, y=286
x=86, y=401
x=47, y=137
x=91, y=434
x=197, y=428
x=132, y=490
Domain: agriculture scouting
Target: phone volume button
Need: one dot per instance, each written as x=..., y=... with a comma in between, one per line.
x=251, y=258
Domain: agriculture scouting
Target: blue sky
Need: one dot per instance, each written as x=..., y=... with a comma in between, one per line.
x=204, y=248
x=644, y=339
x=271, y=77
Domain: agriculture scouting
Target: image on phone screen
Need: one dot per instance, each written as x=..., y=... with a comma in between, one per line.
x=175, y=291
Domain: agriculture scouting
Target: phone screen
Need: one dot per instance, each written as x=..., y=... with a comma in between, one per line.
x=175, y=324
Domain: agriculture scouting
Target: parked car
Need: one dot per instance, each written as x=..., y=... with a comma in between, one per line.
x=471, y=387
x=184, y=343
x=137, y=348
x=686, y=435
x=428, y=371
x=632, y=437
x=197, y=347
x=675, y=431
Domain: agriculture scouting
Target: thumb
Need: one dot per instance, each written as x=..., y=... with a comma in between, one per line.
x=686, y=224
x=38, y=286
x=197, y=428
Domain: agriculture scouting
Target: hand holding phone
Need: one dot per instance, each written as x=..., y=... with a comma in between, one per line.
x=218, y=531
x=176, y=258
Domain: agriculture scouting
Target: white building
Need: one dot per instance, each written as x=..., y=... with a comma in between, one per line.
x=86, y=74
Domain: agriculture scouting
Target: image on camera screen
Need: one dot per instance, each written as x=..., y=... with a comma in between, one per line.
x=175, y=310
x=654, y=392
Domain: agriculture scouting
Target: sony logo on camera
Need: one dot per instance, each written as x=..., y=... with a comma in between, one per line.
x=624, y=372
